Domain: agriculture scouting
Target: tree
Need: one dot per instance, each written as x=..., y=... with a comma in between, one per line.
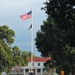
x=6, y=34
x=17, y=57
x=6, y=39
x=57, y=34
x=30, y=53
x=25, y=57
x=48, y=41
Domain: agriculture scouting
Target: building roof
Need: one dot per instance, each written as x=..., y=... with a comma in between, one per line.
x=39, y=59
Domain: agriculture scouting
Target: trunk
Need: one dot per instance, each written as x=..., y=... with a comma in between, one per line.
x=71, y=61
x=72, y=67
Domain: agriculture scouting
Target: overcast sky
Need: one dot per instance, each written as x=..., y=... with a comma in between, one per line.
x=10, y=10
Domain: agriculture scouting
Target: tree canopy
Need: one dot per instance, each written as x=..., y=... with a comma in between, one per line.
x=6, y=39
x=57, y=34
x=10, y=56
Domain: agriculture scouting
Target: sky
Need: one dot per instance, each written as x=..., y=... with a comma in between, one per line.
x=10, y=11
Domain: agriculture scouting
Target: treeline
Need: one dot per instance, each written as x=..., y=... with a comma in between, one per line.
x=10, y=56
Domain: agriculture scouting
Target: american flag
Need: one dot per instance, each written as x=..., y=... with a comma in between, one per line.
x=26, y=15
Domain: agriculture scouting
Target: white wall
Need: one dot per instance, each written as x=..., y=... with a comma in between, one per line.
x=36, y=64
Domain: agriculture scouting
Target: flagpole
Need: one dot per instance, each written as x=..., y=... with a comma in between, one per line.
x=25, y=17
x=32, y=41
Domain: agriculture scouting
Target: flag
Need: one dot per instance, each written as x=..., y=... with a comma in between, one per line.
x=30, y=26
x=26, y=15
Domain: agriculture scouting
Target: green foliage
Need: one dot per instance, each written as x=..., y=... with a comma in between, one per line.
x=10, y=56
x=6, y=34
x=50, y=64
x=57, y=34
x=25, y=57
x=31, y=54
x=17, y=57
x=20, y=58
x=6, y=38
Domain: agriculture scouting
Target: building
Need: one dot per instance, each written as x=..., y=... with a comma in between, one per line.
x=36, y=65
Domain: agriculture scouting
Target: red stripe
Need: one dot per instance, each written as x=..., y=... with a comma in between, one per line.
x=25, y=16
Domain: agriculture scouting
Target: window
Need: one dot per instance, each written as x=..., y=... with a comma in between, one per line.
x=38, y=70
x=32, y=64
x=21, y=70
x=26, y=70
x=38, y=64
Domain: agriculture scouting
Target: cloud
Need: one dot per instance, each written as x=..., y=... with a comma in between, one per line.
x=7, y=6
x=10, y=5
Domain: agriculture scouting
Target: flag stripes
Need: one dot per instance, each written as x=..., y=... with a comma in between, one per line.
x=26, y=15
